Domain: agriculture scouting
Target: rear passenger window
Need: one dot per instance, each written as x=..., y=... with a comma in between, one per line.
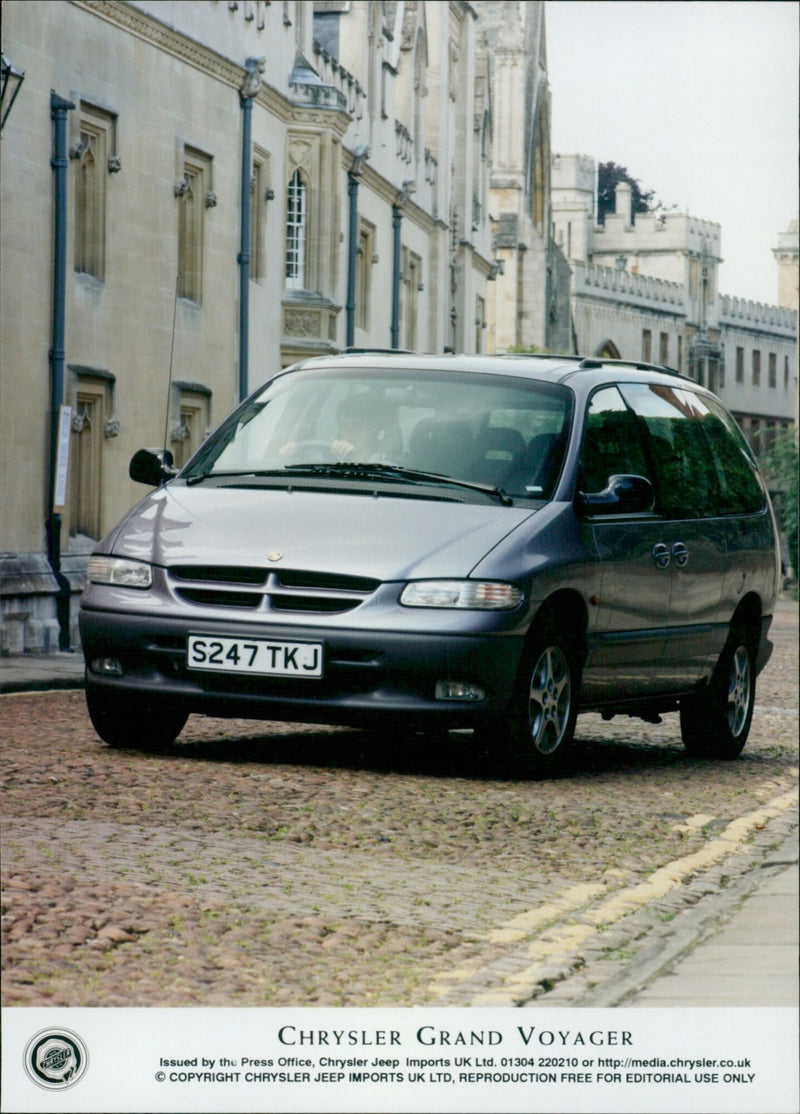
x=700, y=469
x=740, y=486
x=611, y=442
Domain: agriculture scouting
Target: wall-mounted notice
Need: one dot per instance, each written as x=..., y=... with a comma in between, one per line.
x=62, y=457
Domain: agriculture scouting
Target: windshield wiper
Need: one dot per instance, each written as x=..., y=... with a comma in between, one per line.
x=212, y=474
x=376, y=470
x=362, y=470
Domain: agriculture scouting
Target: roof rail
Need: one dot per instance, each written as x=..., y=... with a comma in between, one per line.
x=352, y=351
x=597, y=361
x=539, y=356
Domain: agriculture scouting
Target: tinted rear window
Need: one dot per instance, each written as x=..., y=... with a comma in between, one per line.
x=702, y=465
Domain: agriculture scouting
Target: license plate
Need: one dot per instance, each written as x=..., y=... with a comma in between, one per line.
x=264, y=656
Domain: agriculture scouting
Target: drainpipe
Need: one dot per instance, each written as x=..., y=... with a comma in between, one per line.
x=353, y=175
x=407, y=188
x=60, y=163
x=397, y=217
x=251, y=85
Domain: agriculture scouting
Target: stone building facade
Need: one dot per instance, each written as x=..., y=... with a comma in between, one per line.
x=529, y=302
x=646, y=287
x=239, y=184
x=787, y=256
x=196, y=193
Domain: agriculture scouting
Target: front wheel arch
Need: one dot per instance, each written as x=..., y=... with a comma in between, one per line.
x=564, y=613
x=536, y=731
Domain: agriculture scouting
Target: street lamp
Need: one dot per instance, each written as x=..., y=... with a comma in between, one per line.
x=11, y=80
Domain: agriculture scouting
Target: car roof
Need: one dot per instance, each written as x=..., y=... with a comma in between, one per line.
x=554, y=368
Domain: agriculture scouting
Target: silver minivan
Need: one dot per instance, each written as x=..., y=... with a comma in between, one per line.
x=440, y=542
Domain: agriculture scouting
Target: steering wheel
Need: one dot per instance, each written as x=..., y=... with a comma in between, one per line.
x=311, y=451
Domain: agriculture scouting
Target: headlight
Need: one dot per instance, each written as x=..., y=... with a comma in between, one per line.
x=478, y=595
x=119, y=571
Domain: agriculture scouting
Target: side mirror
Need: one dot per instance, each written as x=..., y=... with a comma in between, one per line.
x=621, y=495
x=152, y=467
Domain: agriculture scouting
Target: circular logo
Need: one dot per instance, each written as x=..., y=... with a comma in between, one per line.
x=274, y=555
x=56, y=1059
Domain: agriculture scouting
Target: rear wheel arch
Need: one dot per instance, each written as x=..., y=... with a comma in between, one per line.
x=716, y=722
x=746, y=621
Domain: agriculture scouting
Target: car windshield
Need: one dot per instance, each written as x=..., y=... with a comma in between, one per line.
x=496, y=431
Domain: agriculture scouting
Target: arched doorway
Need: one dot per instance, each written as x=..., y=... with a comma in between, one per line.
x=608, y=351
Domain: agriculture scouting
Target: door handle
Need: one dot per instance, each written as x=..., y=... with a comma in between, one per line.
x=661, y=555
x=681, y=554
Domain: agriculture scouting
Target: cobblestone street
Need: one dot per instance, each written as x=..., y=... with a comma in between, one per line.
x=264, y=864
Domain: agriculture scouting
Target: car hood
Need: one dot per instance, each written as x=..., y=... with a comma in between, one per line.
x=375, y=535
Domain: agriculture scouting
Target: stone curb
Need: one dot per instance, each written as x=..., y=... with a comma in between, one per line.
x=694, y=910
x=29, y=673
x=694, y=926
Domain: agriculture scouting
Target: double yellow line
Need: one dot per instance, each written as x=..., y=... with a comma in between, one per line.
x=561, y=940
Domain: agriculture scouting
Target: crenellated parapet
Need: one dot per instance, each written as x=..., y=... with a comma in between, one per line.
x=744, y=314
x=658, y=232
x=629, y=288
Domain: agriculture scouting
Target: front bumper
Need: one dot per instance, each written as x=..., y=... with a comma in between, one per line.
x=368, y=675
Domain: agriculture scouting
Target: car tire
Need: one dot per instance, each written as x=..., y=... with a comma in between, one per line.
x=537, y=730
x=716, y=723
x=124, y=721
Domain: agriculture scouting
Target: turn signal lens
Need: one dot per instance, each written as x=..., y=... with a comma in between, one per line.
x=119, y=572
x=474, y=595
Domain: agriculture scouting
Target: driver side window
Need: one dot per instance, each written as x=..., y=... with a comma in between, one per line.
x=611, y=443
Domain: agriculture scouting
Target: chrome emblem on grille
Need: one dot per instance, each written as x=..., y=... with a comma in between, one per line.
x=274, y=555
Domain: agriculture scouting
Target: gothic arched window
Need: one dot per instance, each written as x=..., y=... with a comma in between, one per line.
x=296, y=231
x=541, y=170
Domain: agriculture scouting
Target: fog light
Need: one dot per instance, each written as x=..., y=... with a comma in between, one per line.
x=459, y=690
x=111, y=667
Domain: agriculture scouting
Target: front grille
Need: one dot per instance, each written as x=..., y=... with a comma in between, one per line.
x=312, y=603
x=215, y=574
x=285, y=590
x=289, y=578
x=216, y=597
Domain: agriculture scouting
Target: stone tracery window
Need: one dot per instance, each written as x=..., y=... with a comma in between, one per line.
x=191, y=422
x=92, y=156
x=411, y=275
x=195, y=195
x=296, y=231
x=87, y=424
x=541, y=171
x=364, y=263
x=740, y=365
x=260, y=194
x=91, y=398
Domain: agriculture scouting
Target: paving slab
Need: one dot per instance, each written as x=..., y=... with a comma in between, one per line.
x=751, y=960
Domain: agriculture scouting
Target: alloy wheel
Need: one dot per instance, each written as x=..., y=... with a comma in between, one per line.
x=549, y=700
x=739, y=689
